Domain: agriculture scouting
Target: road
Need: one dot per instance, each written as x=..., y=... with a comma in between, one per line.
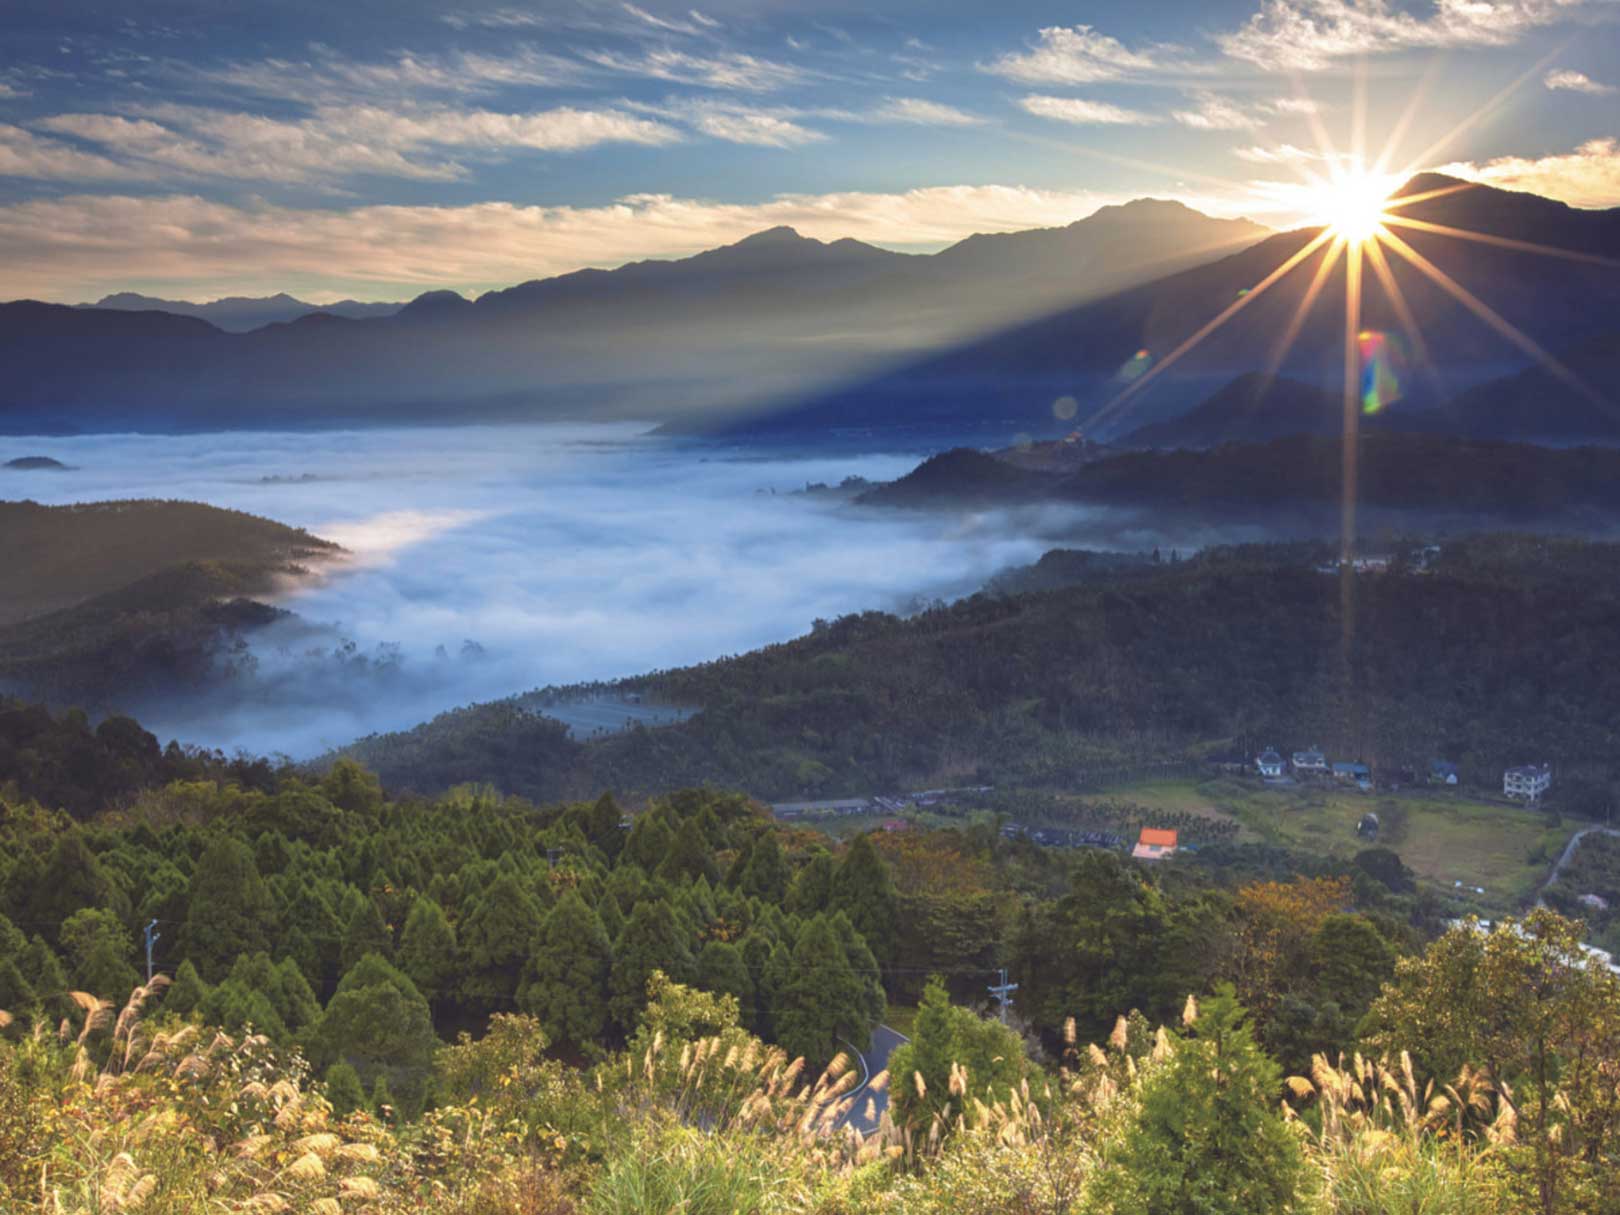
x=874, y=1060
x=1569, y=851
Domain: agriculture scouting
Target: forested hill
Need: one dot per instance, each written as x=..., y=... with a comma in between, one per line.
x=1492, y=656
x=1426, y=476
x=102, y=598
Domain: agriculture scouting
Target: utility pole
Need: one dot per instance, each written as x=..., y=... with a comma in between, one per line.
x=1003, y=993
x=152, y=939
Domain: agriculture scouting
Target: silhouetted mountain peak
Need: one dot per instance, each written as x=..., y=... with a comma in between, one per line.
x=779, y=235
x=435, y=302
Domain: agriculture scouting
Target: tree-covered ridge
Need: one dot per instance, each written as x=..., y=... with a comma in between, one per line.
x=61, y=555
x=1464, y=482
x=1491, y=655
x=109, y=599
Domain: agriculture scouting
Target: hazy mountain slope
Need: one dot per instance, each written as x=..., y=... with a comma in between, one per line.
x=57, y=556
x=239, y=314
x=747, y=322
x=1012, y=378
x=109, y=602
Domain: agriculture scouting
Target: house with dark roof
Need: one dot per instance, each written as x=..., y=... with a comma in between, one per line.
x=1442, y=772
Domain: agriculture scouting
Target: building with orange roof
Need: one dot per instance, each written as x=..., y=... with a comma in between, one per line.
x=1155, y=844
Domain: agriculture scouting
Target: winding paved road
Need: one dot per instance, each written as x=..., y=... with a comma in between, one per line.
x=874, y=1060
x=1569, y=851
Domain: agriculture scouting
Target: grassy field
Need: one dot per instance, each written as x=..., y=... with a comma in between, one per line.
x=1445, y=838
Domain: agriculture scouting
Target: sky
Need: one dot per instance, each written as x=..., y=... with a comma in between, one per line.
x=375, y=149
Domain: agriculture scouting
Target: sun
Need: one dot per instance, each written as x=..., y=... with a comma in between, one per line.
x=1351, y=205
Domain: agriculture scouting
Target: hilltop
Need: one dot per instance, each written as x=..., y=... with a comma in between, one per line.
x=108, y=597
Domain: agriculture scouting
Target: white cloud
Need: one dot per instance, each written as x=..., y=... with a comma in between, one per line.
x=1076, y=55
x=756, y=127
x=1587, y=177
x=327, y=77
x=7, y=90
x=1294, y=105
x=721, y=70
x=740, y=122
x=1084, y=113
x=82, y=246
x=674, y=25
x=1576, y=82
x=1281, y=154
x=1308, y=35
x=24, y=154
x=1212, y=112
x=340, y=141
x=925, y=113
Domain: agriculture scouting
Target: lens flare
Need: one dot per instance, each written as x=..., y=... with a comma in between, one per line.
x=1380, y=379
x=1135, y=366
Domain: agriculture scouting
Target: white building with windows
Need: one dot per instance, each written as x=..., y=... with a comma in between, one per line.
x=1312, y=761
x=1269, y=763
x=1528, y=782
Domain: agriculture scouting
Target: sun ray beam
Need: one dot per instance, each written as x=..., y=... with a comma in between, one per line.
x=1496, y=321
x=1280, y=351
x=1352, y=395
x=1406, y=200
x=1403, y=313
x=1502, y=242
x=1106, y=411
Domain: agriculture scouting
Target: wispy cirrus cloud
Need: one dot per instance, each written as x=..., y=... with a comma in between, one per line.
x=1589, y=176
x=330, y=77
x=1207, y=111
x=1278, y=154
x=1081, y=112
x=1081, y=54
x=1308, y=35
x=718, y=70
x=1576, y=82
x=83, y=245
x=925, y=113
x=337, y=142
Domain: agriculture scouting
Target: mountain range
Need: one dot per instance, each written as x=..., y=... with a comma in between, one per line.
x=1563, y=300
x=1036, y=332
x=241, y=314
x=750, y=321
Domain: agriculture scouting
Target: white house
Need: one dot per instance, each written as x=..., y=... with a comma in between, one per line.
x=1310, y=761
x=1529, y=781
x=1269, y=763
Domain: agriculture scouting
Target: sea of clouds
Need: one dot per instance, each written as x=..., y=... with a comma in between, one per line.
x=487, y=561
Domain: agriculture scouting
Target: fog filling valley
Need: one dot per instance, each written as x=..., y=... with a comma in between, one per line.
x=488, y=561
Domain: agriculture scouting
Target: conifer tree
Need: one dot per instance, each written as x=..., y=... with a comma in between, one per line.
x=496, y=936
x=765, y=875
x=721, y=969
x=863, y=889
x=427, y=950
x=344, y=1090
x=365, y=933
x=1209, y=1134
x=100, y=952
x=821, y=1001
x=566, y=982
x=231, y=911
x=653, y=939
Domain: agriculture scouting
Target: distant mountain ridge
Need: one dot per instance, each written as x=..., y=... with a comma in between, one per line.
x=241, y=314
x=748, y=322
x=1091, y=352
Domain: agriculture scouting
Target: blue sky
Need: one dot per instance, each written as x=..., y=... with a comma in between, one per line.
x=378, y=148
